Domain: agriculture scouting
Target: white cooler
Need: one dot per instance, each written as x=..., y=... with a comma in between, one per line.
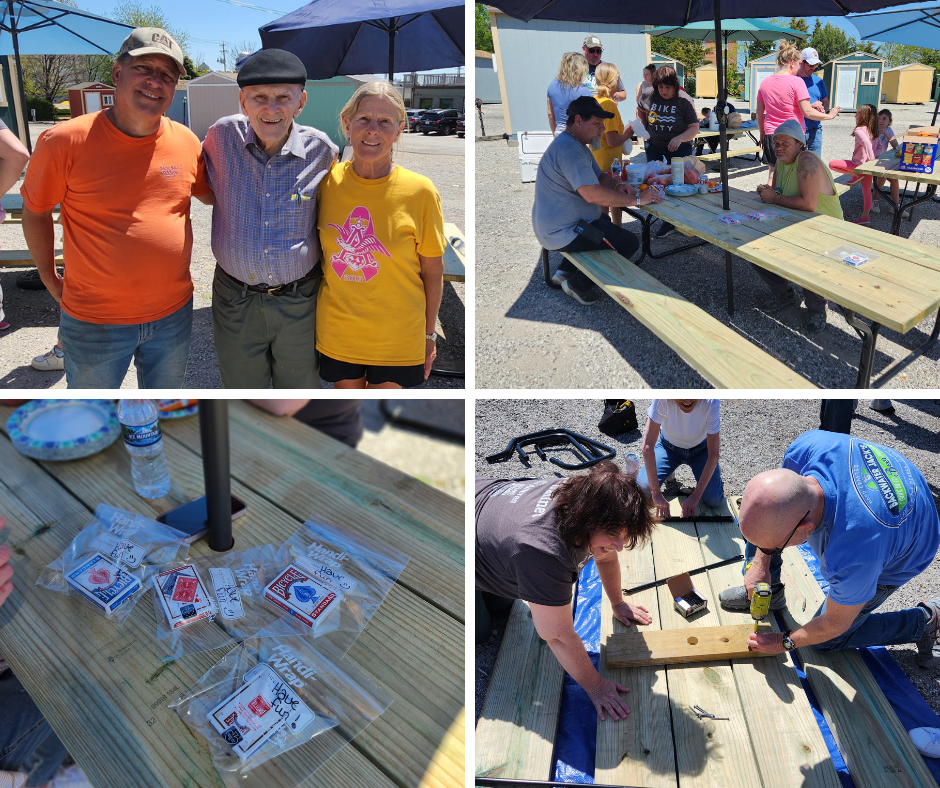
x=532, y=144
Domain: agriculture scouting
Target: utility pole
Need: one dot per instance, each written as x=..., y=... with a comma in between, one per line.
x=223, y=60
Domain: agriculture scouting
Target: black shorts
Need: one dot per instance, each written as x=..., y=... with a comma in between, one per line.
x=334, y=371
x=770, y=156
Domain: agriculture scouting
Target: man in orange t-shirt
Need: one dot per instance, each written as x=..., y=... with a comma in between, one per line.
x=124, y=178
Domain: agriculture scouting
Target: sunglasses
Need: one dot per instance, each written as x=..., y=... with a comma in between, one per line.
x=595, y=50
x=778, y=550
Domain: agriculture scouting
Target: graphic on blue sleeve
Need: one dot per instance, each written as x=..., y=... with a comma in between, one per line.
x=884, y=481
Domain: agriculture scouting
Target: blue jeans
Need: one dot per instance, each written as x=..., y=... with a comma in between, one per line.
x=669, y=457
x=814, y=140
x=868, y=628
x=27, y=742
x=97, y=355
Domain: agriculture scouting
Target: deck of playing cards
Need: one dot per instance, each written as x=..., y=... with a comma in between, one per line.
x=183, y=596
x=99, y=580
x=246, y=719
x=295, y=591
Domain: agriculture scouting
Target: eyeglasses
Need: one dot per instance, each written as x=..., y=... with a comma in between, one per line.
x=778, y=550
x=595, y=50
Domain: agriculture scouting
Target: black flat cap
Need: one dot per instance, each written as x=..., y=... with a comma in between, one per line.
x=272, y=67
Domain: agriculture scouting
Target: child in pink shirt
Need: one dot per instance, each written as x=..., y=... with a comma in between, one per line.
x=885, y=140
x=866, y=132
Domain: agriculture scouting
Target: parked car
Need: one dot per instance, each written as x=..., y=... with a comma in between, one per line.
x=443, y=121
x=413, y=120
x=461, y=129
x=411, y=117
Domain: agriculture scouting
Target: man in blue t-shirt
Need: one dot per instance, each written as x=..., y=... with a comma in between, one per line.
x=868, y=514
x=818, y=98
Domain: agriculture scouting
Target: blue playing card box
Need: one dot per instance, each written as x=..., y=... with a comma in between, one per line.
x=99, y=580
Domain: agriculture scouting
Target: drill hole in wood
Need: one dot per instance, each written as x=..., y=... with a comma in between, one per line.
x=692, y=641
x=723, y=640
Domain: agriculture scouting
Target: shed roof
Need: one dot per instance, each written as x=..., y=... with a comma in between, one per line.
x=770, y=57
x=654, y=55
x=914, y=66
x=481, y=53
x=214, y=78
x=856, y=54
x=84, y=85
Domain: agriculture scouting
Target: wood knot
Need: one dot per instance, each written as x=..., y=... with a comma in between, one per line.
x=712, y=676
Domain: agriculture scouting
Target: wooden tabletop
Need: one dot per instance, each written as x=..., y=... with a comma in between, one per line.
x=887, y=166
x=103, y=687
x=898, y=289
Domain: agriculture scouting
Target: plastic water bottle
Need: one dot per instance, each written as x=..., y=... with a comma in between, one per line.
x=615, y=169
x=140, y=426
x=632, y=464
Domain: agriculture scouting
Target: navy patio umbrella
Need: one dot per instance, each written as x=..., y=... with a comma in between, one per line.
x=334, y=37
x=46, y=27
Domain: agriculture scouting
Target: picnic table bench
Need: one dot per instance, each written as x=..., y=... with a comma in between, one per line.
x=104, y=689
x=897, y=288
x=756, y=150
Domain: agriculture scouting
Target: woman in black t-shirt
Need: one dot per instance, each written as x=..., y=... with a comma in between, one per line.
x=532, y=538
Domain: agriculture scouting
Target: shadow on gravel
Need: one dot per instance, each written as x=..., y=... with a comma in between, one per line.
x=26, y=377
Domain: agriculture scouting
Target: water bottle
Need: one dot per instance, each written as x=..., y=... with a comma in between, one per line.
x=615, y=169
x=632, y=464
x=140, y=426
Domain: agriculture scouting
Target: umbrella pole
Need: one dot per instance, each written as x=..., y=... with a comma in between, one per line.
x=19, y=76
x=721, y=110
x=392, y=30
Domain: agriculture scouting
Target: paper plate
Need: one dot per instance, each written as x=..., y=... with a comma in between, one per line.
x=681, y=190
x=63, y=429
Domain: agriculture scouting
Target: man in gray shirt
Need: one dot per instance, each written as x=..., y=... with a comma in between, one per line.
x=266, y=170
x=570, y=190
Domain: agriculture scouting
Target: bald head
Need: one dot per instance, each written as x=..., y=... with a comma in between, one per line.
x=773, y=503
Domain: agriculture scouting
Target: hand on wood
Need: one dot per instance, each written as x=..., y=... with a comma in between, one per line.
x=689, y=505
x=661, y=504
x=625, y=613
x=605, y=697
x=766, y=642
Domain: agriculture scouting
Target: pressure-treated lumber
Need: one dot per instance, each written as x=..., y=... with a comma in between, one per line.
x=714, y=350
x=17, y=257
x=731, y=153
x=515, y=736
x=454, y=270
x=886, y=165
x=637, y=750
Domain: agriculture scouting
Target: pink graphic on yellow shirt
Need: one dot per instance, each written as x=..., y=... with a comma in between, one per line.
x=355, y=262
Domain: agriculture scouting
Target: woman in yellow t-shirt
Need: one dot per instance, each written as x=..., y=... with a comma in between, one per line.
x=614, y=135
x=382, y=233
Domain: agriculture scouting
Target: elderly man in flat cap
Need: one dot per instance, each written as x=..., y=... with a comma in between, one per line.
x=124, y=178
x=265, y=170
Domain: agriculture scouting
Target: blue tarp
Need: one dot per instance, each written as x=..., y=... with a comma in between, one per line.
x=576, y=741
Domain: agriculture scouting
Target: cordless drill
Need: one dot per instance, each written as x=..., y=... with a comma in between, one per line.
x=760, y=603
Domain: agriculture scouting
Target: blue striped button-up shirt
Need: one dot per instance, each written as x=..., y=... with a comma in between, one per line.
x=264, y=222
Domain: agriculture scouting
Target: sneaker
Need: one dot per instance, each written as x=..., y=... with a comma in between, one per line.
x=861, y=220
x=875, y=208
x=775, y=303
x=581, y=289
x=4, y=325
x=565, y=269
x=927, y=741
x=816, y=322
x=906, y=214
x=52, y=361
x=671, y=486
x=928, y=647
x=881, y=405
x=735, y=598
x=664, y=230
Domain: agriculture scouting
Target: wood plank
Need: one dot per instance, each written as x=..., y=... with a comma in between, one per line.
x=731, y=361
x=888, y=166
x=731, y=153
x=515, y=736
x=772, y=697
x=678, y=646
x=454, y=270
x=871, y=739
x=16, y=257
x=639, y=749
x=708, y=752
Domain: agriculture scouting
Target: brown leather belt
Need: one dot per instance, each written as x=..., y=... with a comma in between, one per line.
x=277, y=290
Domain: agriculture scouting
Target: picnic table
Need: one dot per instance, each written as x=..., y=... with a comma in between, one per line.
x=103, y=688
x=886, y=166
x=756, y=149
x=897, y=288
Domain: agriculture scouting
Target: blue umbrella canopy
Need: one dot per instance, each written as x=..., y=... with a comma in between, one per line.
x=45, y=27
x=334, y=37
x=919, y=27
x=731, y=30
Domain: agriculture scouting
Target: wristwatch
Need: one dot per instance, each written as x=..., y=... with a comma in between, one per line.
x=432, y=337
x=788, y=644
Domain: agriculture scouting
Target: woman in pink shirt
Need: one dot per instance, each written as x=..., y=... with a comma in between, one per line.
x=781, y=97
x=866, y=132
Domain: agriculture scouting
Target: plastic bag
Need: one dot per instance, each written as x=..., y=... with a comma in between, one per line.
x=639, y=129
x=732, y=218
x=266, y=698
x=693, y=169
x=765, y=216
x=231, y=581
x=357, y=570
x=110, y=563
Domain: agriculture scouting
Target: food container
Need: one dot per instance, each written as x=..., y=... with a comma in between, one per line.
x=678, y=170
x=634, y=174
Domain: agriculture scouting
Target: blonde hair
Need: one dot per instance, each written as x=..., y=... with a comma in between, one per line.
x=377, y=88
x=607, y=75
x=573, y=69
x=787, y=53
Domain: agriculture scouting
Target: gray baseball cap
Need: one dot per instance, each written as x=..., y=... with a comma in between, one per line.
x=593, y=41
x=153, y=41
x=791, y=128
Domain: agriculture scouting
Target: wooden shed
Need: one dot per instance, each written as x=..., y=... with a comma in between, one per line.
x=908, y=84
x=325, y=99
x=210, y=97
x=487, y=81
x=88, y=97
x=853, y=80
x=754, y=73
x=706, y=81
x=661, y=60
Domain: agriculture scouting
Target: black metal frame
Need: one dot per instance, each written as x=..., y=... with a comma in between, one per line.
x=701, y=569
x=497, y=782
x=589, y=448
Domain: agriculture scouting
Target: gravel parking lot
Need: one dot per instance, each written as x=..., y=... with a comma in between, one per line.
x=34, y=315
x=754, y=436
x=529, y=335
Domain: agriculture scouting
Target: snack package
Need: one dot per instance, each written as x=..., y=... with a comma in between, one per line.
x=270, y=697
x=328, y=582
x=656, y=168
x=235, y=612
x=111, y=561
x=765, y=216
